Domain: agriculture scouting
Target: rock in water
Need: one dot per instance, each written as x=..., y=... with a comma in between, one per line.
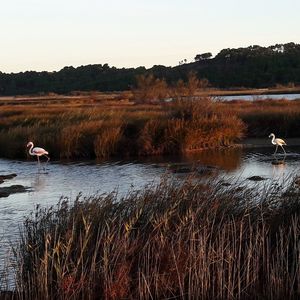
x=8, y=176
x=13, y=189
x=256, y=178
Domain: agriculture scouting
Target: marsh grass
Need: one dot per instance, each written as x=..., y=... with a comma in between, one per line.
x=265, y=116
x=78, y=130
x=185, y=240
x=99, y=127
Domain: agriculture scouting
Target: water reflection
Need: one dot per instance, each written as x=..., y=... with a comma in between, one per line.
x=260, y=97
x=279, y=167
x=226, y=159
x=278, y=160
x=39, y=182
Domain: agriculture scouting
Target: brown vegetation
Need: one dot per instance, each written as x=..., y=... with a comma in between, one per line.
x=100, y=125
x=188, y=241
x=91, y=127
x=265, y=116
x=151, y=90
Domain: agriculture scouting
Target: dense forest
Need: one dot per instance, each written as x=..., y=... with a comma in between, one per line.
x=251, y=67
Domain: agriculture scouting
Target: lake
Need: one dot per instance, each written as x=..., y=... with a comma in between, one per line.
x=90, y=177
x=259, y=97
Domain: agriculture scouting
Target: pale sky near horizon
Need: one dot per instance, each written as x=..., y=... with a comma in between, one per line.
x=48, y=35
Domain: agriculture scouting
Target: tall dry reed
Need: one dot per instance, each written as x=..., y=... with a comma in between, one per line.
x=185, y=241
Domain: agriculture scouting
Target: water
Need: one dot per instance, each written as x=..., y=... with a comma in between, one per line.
x=63, y=179
x=260, y=97
x=68, y=179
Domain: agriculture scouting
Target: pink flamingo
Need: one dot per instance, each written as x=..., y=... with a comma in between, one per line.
x=37, y=151
x=277, y=142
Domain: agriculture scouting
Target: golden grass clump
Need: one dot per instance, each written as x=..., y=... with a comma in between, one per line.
x=108, y=139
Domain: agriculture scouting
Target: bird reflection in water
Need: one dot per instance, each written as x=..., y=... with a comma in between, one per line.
x=279, y=166
x=39, y=182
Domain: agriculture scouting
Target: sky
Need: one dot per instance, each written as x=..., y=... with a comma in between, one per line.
x=46, y=35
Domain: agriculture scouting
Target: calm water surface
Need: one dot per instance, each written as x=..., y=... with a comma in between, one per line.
x=261, y=97
x=68, y=179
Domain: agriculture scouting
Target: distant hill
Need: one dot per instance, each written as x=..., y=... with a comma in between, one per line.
x=252, y=67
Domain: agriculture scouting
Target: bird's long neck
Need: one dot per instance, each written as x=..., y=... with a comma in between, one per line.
x=30, y=150
x=273, y=139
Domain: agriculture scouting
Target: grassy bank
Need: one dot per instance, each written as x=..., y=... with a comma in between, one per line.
x=185, y=241
x=90, y=127
x=97, y=125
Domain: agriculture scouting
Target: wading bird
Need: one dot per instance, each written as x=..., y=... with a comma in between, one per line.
x=37, y=151
x=277, y=142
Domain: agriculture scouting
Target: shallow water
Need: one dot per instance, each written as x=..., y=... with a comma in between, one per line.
x=260, y=97
x=89, y=177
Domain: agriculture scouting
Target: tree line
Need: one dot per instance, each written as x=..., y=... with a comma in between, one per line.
x=252, y=67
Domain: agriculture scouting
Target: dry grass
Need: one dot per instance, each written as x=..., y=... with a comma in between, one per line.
x=183, y=241
x=265, y=116
x=88, y=128
x=110, y=125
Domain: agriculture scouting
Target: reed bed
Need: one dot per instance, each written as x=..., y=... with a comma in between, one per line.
x=187, y=240
x=265, y=116
x=93, y=127
x=99, y=131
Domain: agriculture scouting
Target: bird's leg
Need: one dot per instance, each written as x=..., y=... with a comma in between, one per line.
x=39, y=164
x=276, y=149
x=283, y=149
x=48, y=158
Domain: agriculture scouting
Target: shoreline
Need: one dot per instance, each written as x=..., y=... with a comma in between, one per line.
x=243, y=92
x=209, y=92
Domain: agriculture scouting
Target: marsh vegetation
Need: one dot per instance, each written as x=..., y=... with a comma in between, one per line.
x=106, y=125
x=180, y=240
x=176, y=239
x=82, y=128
